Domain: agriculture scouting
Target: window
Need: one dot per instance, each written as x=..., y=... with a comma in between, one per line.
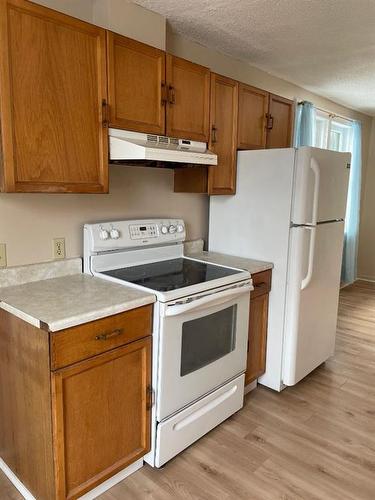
x=332, y=132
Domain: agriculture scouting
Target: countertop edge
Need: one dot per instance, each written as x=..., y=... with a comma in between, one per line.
x=62, y=324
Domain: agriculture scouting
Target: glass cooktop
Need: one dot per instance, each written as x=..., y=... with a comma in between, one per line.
x=171, y=274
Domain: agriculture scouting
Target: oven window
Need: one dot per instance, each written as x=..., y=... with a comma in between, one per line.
x=207, y=339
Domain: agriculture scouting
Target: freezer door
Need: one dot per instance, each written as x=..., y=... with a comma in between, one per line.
x=312, y=298
x=320, y=186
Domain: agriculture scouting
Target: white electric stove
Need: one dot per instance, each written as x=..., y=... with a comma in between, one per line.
x=200, y=325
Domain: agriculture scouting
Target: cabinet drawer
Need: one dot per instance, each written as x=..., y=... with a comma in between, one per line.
x=87, y=340
x=261, y=282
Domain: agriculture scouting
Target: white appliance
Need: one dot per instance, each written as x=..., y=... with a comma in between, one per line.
x=289, y=209
x=200, y=325
x=127, y=146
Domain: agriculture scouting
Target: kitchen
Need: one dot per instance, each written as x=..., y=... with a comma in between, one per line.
x=175, y=197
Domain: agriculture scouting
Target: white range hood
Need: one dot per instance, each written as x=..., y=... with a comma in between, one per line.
x=126, y=146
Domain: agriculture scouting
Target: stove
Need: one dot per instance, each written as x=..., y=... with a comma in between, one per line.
x=200, y=327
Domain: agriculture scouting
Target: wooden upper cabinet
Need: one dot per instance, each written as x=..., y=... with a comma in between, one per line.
x=136, y=85
x=223, y=137
x=252, y=111
x=188, y=86
x=280, y=122
x=53, y=86
x=101, y=417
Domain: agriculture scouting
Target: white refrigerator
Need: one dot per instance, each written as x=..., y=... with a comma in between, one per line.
x=289, y=209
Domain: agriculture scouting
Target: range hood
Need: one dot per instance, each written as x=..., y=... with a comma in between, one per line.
x=133, y=147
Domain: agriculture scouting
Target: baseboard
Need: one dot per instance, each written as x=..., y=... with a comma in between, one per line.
x=112, y=481
x=94, y=493
x=250, y=387
x=15, y=481
x=370, y=280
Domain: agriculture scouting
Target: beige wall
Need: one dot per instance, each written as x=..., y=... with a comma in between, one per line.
x=366, y=254
x=28, y=222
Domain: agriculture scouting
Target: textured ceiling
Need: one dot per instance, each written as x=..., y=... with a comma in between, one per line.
x=325, y=46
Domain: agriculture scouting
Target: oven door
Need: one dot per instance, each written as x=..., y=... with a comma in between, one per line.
x=203, y=344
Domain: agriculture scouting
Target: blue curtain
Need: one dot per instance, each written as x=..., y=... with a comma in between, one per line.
x=349, y=262
x=304, y=132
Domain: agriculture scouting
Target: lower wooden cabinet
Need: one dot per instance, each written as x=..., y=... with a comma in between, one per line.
x=258, y=325
x=101, y=417
x=85, y=421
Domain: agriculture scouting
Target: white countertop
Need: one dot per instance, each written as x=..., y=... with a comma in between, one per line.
x=68, y=301
x=251, y=265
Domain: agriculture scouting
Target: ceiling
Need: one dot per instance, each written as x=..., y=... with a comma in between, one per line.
x=325, y=46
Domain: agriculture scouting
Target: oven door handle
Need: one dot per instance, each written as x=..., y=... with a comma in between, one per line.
x=212, y=299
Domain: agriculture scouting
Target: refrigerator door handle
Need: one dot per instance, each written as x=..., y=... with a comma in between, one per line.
x=314, y=165
x=306, y=281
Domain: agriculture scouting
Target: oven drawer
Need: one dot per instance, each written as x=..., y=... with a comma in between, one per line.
x=87, y=340
x=261, y=282
x=181, y=430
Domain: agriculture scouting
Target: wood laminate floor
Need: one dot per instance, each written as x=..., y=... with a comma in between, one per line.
x=313, y=441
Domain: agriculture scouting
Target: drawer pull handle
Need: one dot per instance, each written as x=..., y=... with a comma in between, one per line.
x=260, y=285
x=110, y=335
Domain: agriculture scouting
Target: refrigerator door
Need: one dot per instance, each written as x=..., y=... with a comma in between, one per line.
x=312, y=298
x=320, y=186
x=255, y=223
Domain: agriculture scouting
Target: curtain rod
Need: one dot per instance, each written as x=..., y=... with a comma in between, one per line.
x=333, y=115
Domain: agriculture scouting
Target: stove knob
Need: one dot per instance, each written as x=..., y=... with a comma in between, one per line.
x=115, y=234
x=164, y=229
x=180, y=228
x=172, y=229
x=103, y=234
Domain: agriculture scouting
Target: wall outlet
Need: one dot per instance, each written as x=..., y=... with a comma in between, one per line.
x=58, y=248
x=3, y=255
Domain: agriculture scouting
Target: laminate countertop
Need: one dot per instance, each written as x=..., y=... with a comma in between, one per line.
x=251, y=265
x=67, y=301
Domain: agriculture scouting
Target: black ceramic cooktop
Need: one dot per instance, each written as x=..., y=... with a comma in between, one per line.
x=171, y=274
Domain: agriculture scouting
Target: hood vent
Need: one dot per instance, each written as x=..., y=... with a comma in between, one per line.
x=133, y=147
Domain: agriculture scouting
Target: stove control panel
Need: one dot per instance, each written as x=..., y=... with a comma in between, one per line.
x=138, y=232
x=107, y=236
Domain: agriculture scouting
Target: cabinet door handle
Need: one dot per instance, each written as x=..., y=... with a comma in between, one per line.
x=213, y=134
x=164, y=98
x=269, y=121
x=110, y=335
x=105, y=113
x=171, y=95
x=150, y=397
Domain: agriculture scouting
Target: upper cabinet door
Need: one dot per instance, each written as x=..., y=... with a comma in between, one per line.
x=188, y=86
x=136, y=83
x=53, y=92
x=280, y=122
x=223, y=139
x=252, y=111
